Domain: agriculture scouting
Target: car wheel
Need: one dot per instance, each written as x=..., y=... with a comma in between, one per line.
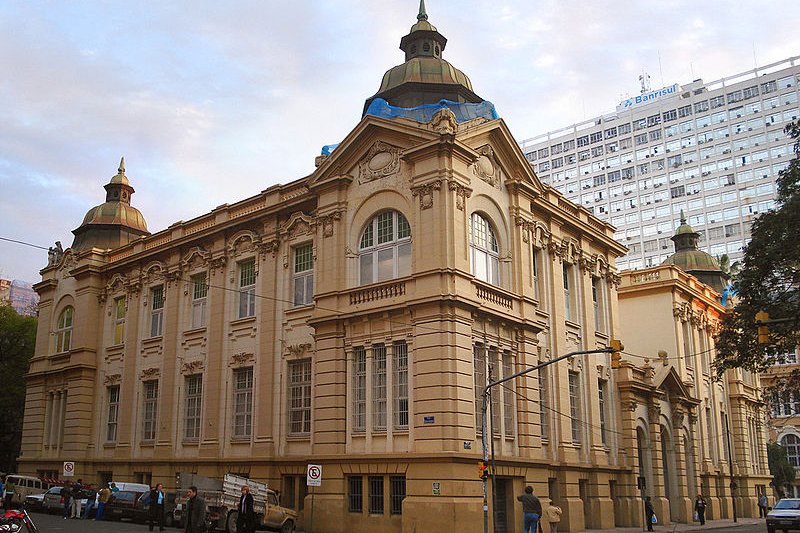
x=230, y=524
x=287, y=527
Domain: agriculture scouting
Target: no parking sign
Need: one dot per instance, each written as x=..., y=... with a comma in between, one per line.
x=69, y=469
x=314, y=476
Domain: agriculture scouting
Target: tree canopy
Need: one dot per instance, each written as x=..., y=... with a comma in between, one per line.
x=17, y=339
x=768, y=280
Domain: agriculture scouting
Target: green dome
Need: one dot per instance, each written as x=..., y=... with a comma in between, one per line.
x=688, y=260
x=116, y=213
x=423, y=69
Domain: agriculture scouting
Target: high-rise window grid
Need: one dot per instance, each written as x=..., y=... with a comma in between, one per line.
x=149, y=409
x=300, y=397
x=193, y=404
x=247, y=288
x=243, y=402
x=157, y=311
x=303, y=279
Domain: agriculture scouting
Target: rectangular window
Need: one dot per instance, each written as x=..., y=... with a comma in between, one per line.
x=247, y=288
x=508, y=395
x=303, y=275
x=359, y=388
x=120, y=309
x=566, y=273
x=671, y=115
x=544, y=404
x=495, y=395
x=397, y=493
x=112, y=393
x=157, y=311
x=602, y=392
x=597, y=302
x=479, y=362
x=583, y=141
x=717, y=101
x=375, y=494
x=199, y=299
x=355, y=494
x=574, y=406
x=300, y=396
x=194, y=395
x=149, y=409
x=243, y=402
x=379, y=387
x=400, y=395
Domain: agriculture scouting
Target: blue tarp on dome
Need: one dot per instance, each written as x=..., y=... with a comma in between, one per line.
x=424, y=113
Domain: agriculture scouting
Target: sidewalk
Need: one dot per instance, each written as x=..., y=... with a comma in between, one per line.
x=719, y=525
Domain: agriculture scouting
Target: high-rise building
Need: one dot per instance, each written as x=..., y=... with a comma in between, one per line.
x=710, y=150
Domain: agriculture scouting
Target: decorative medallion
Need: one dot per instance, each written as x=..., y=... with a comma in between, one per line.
x=381, y=160
x=444, y=122
x=485, y=167
x=425, y=193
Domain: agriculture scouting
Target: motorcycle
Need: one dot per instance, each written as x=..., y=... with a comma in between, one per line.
x=14, y=519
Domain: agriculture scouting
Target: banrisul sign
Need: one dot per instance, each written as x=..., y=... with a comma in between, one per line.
x=649, y=97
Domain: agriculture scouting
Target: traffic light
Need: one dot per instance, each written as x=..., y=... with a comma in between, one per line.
x=763, y=329
x=483, y=470
x=616, y=356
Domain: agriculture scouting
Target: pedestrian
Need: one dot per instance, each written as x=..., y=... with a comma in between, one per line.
x=531, y=509
x=700, y=508
x=77, y=493
x=66, y=495
x=102, y=499
x=114, y=487
x=245, y=521
x=156, y=498
x=762, y=505
x=649, y=513
x=91, y=500
x=9, y=489
x=553, y=516
x=195, y=512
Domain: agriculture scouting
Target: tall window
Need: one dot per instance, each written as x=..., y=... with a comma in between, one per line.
x=120, y=308
x=397, y=493
x=355, y=494
x=536, y=257
x=490, y=365
x=508, y=396
x=597, y=303
x=544, y=404
x=479, y=361
x=566, y=271
x=359, y=389
x=385, y=248
x=379, y=387
x=375, y=494
x=112, y=395
x=194, y=395
x=199, y=300
x=300, y=396
x=157, y=311
x=149, y=409
x=574, y=406
x=495, y=394
x=247, y=288
x=602, y=392
x=242, y=402
x=64, y=330
x=484, y=252
x=303, y=280
x=400, y=395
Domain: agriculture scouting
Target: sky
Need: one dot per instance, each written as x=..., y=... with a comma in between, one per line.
x=212, y=102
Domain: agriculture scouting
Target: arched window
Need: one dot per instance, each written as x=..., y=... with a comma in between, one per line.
x=384, y=251
x=64, y=330
x=484, y=252
x=792, y=445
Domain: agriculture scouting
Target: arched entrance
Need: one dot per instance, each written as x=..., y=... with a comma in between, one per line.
x=670, y=471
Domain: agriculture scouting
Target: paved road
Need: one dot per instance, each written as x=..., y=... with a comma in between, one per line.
x=48, y=523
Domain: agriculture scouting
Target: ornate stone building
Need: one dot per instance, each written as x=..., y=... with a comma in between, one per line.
x=350, y=319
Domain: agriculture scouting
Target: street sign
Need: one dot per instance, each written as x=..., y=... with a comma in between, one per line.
x=314, y=476
x=69, y=469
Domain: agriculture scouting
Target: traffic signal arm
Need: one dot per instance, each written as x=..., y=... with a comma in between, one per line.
x=762, y=319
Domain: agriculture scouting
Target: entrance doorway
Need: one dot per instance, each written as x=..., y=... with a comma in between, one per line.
x=504, y=506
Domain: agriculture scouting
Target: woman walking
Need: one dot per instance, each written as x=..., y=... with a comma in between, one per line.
x=700, y=509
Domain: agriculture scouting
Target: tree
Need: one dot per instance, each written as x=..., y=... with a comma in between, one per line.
x=769, y=280
x=779, y=467
x=17, y=340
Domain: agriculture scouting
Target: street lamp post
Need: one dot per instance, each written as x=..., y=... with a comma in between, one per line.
x=485, y=403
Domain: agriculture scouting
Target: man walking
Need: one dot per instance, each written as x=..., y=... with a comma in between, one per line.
x=157, y=507
x=91, y=498
x=245, y=521
x=762, y=505
x=195, y=512
x=76, y=492
x=649, y=513
x=102, y=499
x=532, y=510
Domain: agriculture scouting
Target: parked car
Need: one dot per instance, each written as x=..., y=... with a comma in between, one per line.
x=35, y=502
x=141, y=511
x=53, y=501
x=784, y=516
x=125, y=504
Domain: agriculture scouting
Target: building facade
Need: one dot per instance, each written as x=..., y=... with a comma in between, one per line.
x=19, y=295
x=784, y=415
x=712, y=150
x=351, y=319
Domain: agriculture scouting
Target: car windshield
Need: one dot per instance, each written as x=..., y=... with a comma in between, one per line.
x=787, y=504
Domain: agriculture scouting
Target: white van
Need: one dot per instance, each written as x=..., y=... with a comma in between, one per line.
x=25, y=486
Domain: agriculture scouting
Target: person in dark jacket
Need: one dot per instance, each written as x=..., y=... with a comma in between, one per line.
x=246, y=519
x=649, y=513
x=531, y=509
x=700, y=508
x=156, y=498
x=195, y=512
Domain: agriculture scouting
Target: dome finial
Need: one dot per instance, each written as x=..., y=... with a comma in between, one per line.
x=422, y=14
x=121, y=169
